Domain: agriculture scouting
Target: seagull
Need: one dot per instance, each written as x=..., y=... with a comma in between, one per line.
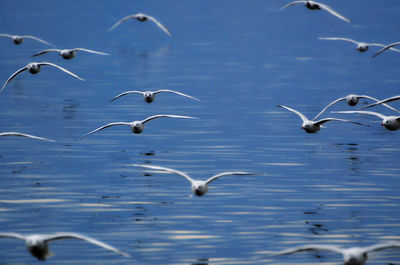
x=142, y=18
x=68, y=53
x=199, y=187
x=351, y=256
x=137, y=126
x=311, y=126
x=24, y=135
x=148, y=96
x=352, y=100
x=382, y=102
x=390, y=122
x=387, y=47
x=34, y=68
x=19, y=39
x=37, y=244
x=313, y=5
x=361, y=46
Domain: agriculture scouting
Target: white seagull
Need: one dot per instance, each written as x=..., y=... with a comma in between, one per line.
x=352, y=100
x=68, y=53
x=390, y=122
x=142, y=18
x=361, y=46
x=351, y=256
x=313, y=5
x=19, y=39
x=148, y=96
x=199, y=187
x=24, y=135
x=311, y=126
x=137, y=126
x=34, y=68
x=38, y=246
x=390, y=46
x=383, y=101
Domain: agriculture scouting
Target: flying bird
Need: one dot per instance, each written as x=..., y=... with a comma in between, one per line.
x=24, y=135
x=19, y=39
x=351, y=256
x=137, y=126
x=34, y=68
x=390, y=46
x=38, y=246
x=351, y=100
x=142, y=18
x=311, y=126
x=68, y=53
x=383, y=102
x=148, y=96
x=361, y=46
x=390, y=122
x=199, y=187
x=313, y=5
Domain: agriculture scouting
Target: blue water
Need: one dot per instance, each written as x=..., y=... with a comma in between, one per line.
x=240, y=58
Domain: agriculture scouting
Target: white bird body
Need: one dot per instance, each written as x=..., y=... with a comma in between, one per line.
x=24, y=135
x=361, y=46
x=34, y=68
x=142, y=18
x=391, y=123
x=198, y=187
x=19, y=39
x=37, y=244
x=313, y=5
x=68, y=53
x=351, y=256
x=149, y=96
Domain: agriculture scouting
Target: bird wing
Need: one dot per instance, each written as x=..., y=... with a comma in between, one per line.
x=122, y=20
x=382, y=246
x=309, y=248
x=6, y=35
x=58, y=236
x=333, y=12
x=161, y=26
x=35, y=38
x=292, y=3
x=330, y=104
x=12, y=77
x=126, y=93
x=105, y=126
x=363, y=112
x=24, y=135
x=166, y=115
x=208, y=181
x=176, y=92
x=385, y=48
x=12, y=235
x=383, y=45
x=62, y=69
x=46, y=51
x=380, y=102
x=338, y=38
x=91, y=51
x=322, y=121
x=183, y=174
x=304, y=118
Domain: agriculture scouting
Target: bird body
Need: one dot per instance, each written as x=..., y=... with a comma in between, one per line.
x=142, y=18
x=360, y=46
x=391, y=123
x=68, y=53
x=149, y=96
x=19, y=39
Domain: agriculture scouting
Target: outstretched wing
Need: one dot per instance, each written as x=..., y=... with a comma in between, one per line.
x=62, y=69
x=208, y=181
x=12, y=77
x=320, y=122
x=176, y=92
x=180, y=173
x=46, y=51
x=333, y=12
x=6, y=35
x=309, y=248
x=161, y=26
x=330, y=104
x=12, y=235
x=35, y=38
x=126, y=93
x=166, y=116
x=362, y=112
x=90, y=51
x=382, y=101
x=105, y=126
x=24, y=135
x=383, y=246
x=386, y=47
x=377, y=100
x=58, y=236
x=122, y=20
x=303, y=118
x=338, y=38
x=291, y=4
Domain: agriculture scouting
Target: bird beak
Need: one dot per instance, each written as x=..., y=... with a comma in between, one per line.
x=382, y=124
